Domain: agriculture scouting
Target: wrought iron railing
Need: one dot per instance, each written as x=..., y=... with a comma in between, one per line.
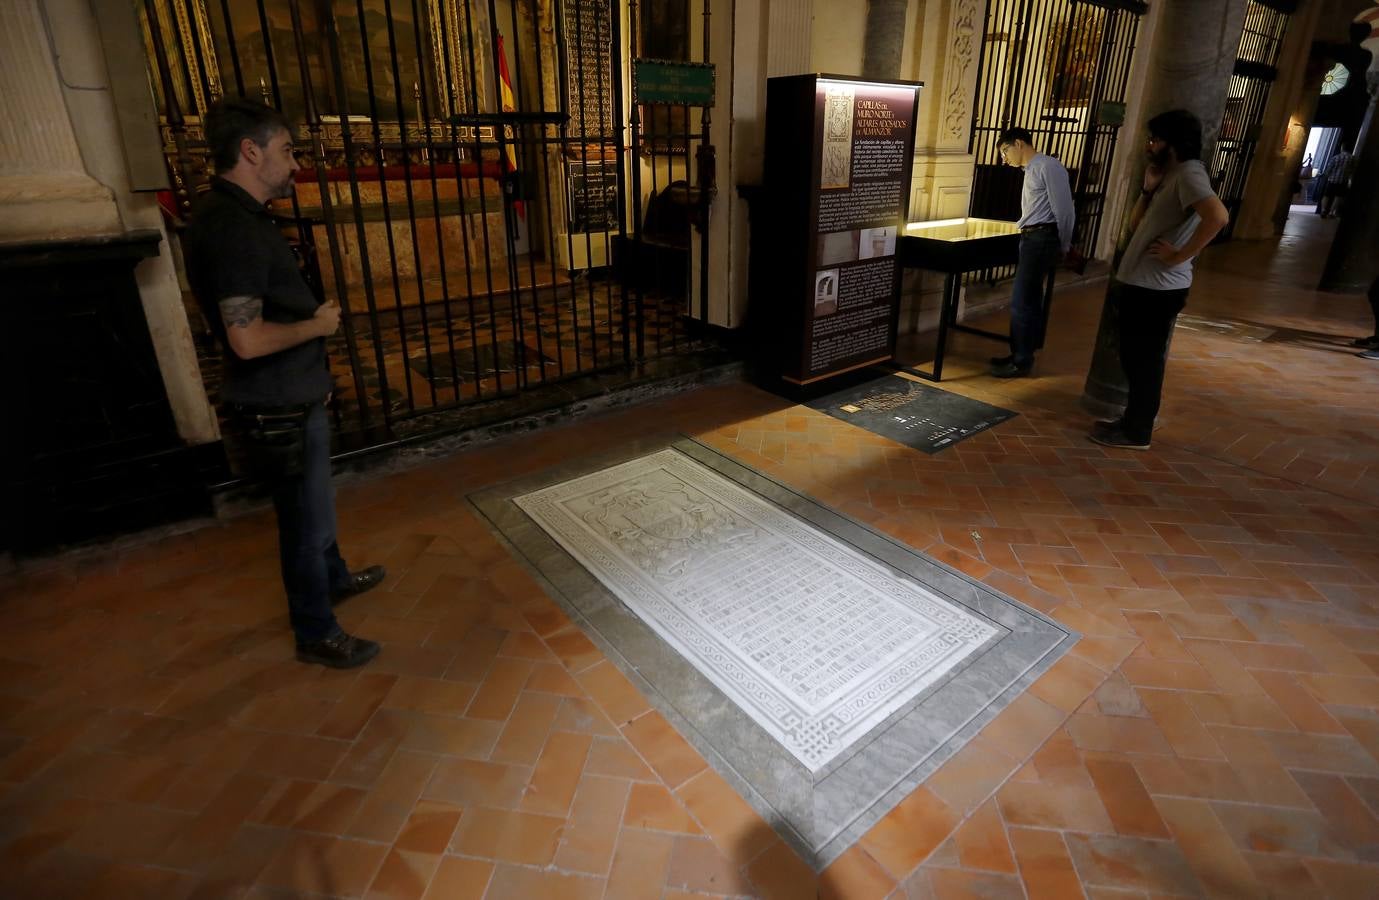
x=1060, y=68
x=473, y=184
x=1247, y=98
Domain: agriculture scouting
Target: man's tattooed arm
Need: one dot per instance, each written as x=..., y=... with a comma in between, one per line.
x=251, y=336
x=241, y=312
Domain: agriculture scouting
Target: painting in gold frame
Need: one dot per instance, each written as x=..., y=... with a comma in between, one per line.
x=1070, y=59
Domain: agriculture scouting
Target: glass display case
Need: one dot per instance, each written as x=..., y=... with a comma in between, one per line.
x=959, y=245
x=954, y=247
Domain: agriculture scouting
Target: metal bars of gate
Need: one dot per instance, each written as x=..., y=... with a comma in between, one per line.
x=659, y=264
x=442, y=213
x=1247, y=97
x=1060, y=68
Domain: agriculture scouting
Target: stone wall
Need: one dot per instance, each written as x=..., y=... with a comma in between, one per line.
x=63, y=173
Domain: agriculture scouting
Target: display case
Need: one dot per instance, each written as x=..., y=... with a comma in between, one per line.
x=955, y=247
x=959, y=245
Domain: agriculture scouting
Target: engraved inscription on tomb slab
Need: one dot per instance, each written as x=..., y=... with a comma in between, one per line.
x=815, y=641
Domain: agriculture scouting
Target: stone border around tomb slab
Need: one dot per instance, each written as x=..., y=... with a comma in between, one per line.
x=822, y=815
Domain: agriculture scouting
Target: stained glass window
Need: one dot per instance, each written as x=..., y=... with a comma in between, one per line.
x=1335, y=79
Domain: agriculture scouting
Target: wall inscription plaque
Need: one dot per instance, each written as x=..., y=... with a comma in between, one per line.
x=588, y=39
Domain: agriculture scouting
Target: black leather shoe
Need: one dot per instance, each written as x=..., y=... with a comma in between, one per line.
x=1118, y=438
x=1011, y=370
x=1106, y=426
x=361, y=581
x=342, y=651
x=1002, y=360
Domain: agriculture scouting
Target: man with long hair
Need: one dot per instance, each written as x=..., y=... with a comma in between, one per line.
x=273, y=331
x=1177, y=215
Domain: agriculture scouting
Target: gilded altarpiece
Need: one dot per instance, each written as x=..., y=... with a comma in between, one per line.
x=400, y=77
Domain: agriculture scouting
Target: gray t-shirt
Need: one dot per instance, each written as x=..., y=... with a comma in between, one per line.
x=1170, y=216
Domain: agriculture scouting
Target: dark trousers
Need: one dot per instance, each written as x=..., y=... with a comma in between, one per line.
x=1040, y=250
x=1146, y=323
x=311, y=563
x=292, y=455
x=1374, y=303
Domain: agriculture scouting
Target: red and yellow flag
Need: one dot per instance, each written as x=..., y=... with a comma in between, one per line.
x=509, y=102
x=509, y=105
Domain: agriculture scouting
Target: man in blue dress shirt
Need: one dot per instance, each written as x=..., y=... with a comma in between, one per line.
x=1046, y=232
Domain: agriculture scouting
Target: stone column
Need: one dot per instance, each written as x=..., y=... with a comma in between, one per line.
x=45, y=190
x=947, y=44
x=1191, y=57
x=768, y=38
x=1350, y=266
x=63, y=173
x=788, y=33
x=885, y=38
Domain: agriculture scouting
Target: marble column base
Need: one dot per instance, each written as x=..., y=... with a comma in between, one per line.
x=52, y=207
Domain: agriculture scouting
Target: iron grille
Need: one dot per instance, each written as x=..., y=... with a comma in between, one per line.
x=1060, y=68
x=1247, y=97
x=471, y=192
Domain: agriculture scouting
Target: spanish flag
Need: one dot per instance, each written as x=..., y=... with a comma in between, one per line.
x=509, y=105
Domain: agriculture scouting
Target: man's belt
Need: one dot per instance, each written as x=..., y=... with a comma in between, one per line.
x=249, y=409
x=1039, y=226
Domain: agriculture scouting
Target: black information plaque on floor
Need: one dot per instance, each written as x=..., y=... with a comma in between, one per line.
x=911, y=413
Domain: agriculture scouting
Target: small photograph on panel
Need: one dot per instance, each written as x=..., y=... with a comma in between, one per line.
x=835, y=169
x=837, y=247
x=825, y=292
x=876, y=242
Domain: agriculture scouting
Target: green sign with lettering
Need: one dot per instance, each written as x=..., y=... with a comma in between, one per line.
x=1109, y=113
x=677, y=83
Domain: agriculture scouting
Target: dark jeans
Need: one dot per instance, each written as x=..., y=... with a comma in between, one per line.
x=305, y=503
x=1374, y=303
x=1040, y=251
x=1146, y=323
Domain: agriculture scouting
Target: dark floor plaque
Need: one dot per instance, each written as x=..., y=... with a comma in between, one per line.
x=911, y=413
x=436, y=366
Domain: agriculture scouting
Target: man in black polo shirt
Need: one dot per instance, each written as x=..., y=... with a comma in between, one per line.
x=277, y=382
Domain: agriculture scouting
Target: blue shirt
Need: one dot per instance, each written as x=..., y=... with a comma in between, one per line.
x=1047, y=197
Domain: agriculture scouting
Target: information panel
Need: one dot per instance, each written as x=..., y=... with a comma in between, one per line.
x=588, y=36
x=591, y=189
x=858, y=152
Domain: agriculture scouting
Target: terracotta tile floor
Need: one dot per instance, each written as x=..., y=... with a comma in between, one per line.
x=1215, y=733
